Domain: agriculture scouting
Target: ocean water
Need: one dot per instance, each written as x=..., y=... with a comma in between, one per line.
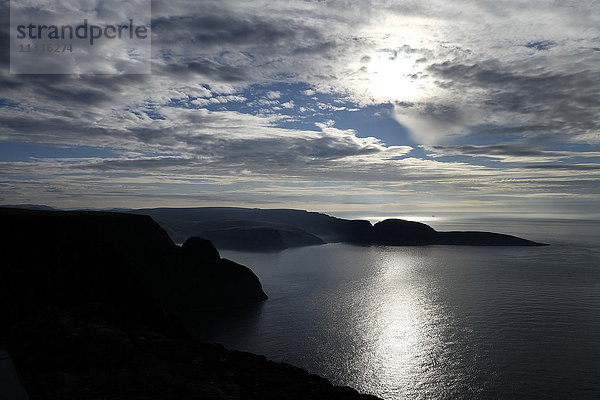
x=435, y=322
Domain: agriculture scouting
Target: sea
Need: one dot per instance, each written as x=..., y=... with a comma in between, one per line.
x=435, y=322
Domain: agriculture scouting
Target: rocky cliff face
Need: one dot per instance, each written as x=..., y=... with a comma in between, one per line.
x=125, y=262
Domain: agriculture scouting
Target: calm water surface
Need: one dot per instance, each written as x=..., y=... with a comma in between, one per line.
x=435, y=321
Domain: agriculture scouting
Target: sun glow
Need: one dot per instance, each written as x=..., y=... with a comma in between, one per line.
x=394, y=77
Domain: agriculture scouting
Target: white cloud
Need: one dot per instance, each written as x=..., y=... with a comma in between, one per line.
x=273, y=94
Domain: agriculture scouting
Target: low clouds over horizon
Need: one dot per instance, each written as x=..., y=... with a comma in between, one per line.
x=423, y=108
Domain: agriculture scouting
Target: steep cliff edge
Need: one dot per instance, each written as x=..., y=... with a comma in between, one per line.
x=123, y=261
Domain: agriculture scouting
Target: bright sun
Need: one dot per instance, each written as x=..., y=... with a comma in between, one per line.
x=393, y=78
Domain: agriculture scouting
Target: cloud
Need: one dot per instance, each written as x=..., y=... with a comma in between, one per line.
x=510, y=152
x=520, y=77
x=473, y=77
x=567, y=167
x=217, y=142
x=218, y=100
x=557, y=102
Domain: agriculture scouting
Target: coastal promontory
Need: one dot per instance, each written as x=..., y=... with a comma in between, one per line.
x=96, y=305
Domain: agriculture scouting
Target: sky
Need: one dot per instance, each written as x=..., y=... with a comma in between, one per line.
x=351, y=107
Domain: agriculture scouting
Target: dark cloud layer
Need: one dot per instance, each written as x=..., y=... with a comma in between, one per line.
x=508, y=152
x=556, y=102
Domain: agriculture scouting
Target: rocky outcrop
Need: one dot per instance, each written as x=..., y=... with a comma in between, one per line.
x=200, y=251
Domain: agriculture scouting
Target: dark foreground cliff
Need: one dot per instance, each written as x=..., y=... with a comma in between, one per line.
x=127, y=262
x=94, y=306
x=63, y=357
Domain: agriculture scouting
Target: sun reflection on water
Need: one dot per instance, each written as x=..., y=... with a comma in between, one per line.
x=404, y=328
x=433, y=322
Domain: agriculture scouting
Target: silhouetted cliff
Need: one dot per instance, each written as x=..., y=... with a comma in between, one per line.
x=125, y=262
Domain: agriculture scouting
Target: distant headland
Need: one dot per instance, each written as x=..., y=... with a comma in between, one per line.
x=254, y=229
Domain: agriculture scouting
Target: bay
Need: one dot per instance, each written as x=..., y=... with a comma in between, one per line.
x=435, y=321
